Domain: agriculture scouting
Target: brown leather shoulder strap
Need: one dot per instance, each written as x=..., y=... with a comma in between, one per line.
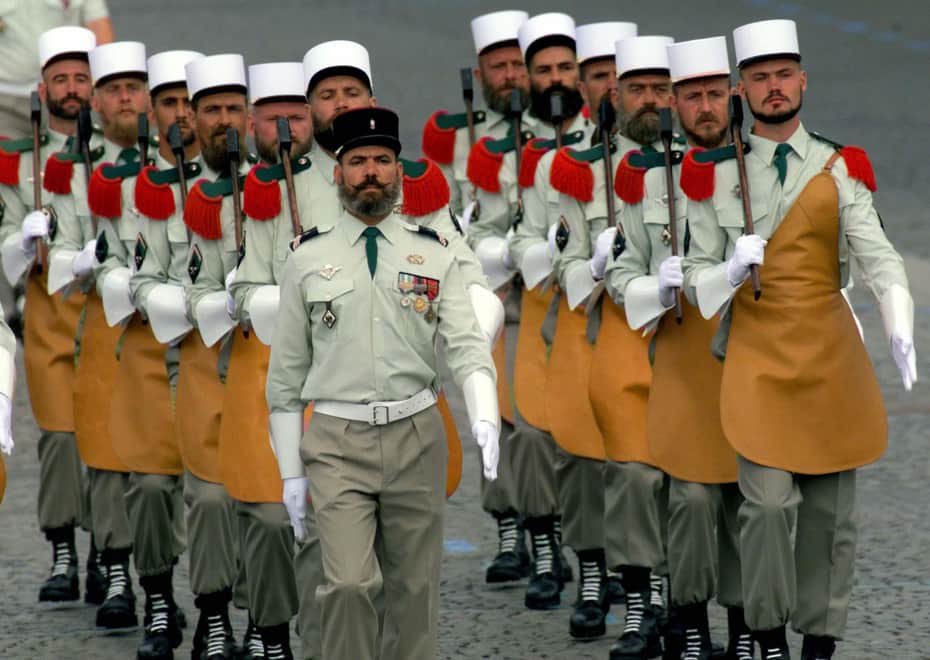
x=829, y=164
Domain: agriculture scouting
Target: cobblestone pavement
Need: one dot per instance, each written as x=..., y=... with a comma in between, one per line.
x=867, y=65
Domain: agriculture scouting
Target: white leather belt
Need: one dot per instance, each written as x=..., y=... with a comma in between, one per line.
x=377, y=413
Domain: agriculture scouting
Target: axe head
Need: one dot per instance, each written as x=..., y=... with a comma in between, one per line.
x=736, y=112
x=665, y=124
x=555, y=108
x=85, y=127
x=35, y=107
x=284, y=135
x=174, y=139
x=232, y=145
x=606, y=116
x=468, y=85
x=516, y=102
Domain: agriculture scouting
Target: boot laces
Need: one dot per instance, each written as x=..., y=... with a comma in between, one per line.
x=635, y=606
x=158, y=609
x=507, y=534
x=774, y=654
x=542, y=549
x=116, y=580
x=692, y=644
x=655, y=591
x=216, y=635
x=257, y=648
x=275, y=652
x=62, y=554
x=744, y=647
x=590, y=581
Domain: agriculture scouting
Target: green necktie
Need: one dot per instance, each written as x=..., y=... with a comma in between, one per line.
x=780, y=161
x=371, y=248
x=648, y=149
x=128, y=155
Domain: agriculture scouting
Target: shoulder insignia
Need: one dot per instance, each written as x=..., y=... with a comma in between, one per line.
x=102, y=249
x=10, y=153
x=154, y=200
x=170, y=175
x=311, y=233
x=858, y=165
x=698, y=167
x=429, y=232
x=195, y=264
x=439, y=134
x=619, y=245
x=261, y=196
x=679, y=139
x=202, y=211
x=141, y=250
x=222, y=187
x=425, y=188
x=59, y=169
x=629, y=181
x=571, y=176
x=52, y=221
x=535, y=149
x=104, y=192
x=562, y=234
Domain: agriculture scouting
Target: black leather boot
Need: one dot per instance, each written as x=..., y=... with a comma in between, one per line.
x=566, y=573
x=544, y=592
x=615, y=593
x=817, y=648
x=162, y=632
x=62, y=583
x=740, y=645
x=277, y=642
x=773, y=645
x=214, y=637
x=697, y=631
x=95, y=581
x=118, y=610
x=252, y=646
x=512, y=561
x=640, y=639
x=588, y=618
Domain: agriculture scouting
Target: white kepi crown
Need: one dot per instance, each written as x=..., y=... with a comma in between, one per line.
x=498, y=27
x=167, y=68
x=545, y=29
x=333, y=58
x=642, y=54
x=596, y=40
x=215, y=72
x=120, y=58
x=66, y=40
x=766, y=40
x=699, y=58
x=281, y=81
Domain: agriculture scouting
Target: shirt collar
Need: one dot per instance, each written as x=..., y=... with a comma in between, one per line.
x=322, y=160
x=352, y=227
x=764, y=149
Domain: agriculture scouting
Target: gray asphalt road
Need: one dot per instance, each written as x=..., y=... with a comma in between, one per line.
x=867, y=64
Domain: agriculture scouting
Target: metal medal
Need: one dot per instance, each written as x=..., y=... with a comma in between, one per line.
x=329, y=318
x=420, y=305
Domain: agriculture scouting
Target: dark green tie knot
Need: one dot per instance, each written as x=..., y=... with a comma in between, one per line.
x=780, y=160
x=371, y=247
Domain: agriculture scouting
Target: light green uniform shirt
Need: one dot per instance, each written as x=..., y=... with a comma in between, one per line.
x=716, y=223
x=18, y=200
x=21, y=23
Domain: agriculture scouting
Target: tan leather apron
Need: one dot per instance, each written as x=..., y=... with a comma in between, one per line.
x=682, y=419
x=48, y=341
x=454, y=460
x=141, y=414
x=619, y=386
x=504, y=393
x=570, y=417
x=199, y=408
x=529, y=373
x=94, y=382
x=799, y=393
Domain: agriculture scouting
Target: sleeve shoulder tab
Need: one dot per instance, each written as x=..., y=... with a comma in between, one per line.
x=427, y=232
x=309, y=235
x=459, y=120
x=170, y=175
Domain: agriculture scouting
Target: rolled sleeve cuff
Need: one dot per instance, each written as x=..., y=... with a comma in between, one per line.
x=286, y=431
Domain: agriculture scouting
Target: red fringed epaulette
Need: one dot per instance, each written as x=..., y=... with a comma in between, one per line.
x=438, y=142
x=58, y=173
x=858, y=166
x=202, y=213
x=261, y=199
x=153, y=200
x=697, y=178
x=9, y=166
x=104, y=195
x=427, y=192
x=532, y=153
x=484, y=167
x=629, y=182
x=571, y=177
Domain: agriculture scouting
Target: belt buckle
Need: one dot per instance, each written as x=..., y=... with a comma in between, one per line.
x=380, y=414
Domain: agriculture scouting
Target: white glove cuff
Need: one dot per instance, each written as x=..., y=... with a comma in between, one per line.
x=490, y=252
x=713, y=290
x=166, y=309
x=213, y=319
x=15, y=259
x=642, y=301
x=60, y=272
x=481, y=399
x=7, y=373
x=286, y=431
x=263, y=312
x=579, y=283
x=489, y=311
x=536, y=265
x=114, y=289
x=897, y=309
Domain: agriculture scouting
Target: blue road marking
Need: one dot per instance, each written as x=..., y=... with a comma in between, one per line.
x=458, y=546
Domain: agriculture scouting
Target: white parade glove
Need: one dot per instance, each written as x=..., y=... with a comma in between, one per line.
x=35, y=225
x=230, y=301
x=6, y=429
x=550, y=241
x=749, y=251
x=897, y=310
x=85, y=260
x=295, y=501
x=905, y=356
x=670, y=278
x=488, y=438
x=602, y=248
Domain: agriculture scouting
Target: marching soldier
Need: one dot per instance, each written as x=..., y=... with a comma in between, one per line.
x=407, y=303
x=619, y=381
x=447, y=140
x=48, y=341
x=810, y=202
x=119, y=75
x=548, y=45
x=682, y=424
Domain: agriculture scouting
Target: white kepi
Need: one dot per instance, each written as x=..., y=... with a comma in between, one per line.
x=214, y=72
x=596, y=40
x=166, y=69
x=120, y=58
x=698, y=58
x=65, y=42
x=333, y=58
x=543, y=30
x=276, y=81
x=499, y=28
x=765, y=40
x=647, y=53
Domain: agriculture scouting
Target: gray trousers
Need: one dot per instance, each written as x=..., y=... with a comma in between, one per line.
x=532, y=463
x=379, y=497
x=635, y=516
x=498, y=496
x=266, y=545
x=581, y=500
x=703, y=543
x=61, y=481
x=212, y=535
x=810, y=581
x=308, y=564
x=109, y=516
x=156, y=517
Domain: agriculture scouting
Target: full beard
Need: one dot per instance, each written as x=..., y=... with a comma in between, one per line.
x=56, y=107
x=269, y=152
x=776, y=118
x=641, y=126
x=369, y=207
x=541, y=102
x=499, y=100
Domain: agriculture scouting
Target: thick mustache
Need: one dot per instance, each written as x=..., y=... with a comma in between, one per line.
x=776, y=95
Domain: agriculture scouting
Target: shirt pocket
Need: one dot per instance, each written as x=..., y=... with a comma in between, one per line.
x=328, y=303
x=729, y=208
